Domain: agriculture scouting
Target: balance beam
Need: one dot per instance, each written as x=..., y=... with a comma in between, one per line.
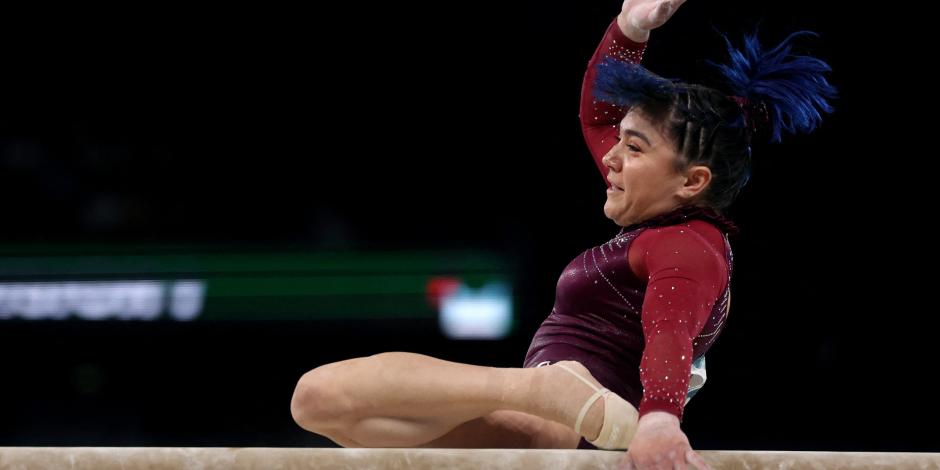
x=140, y=458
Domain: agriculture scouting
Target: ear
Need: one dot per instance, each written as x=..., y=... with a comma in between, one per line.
x=697, y=179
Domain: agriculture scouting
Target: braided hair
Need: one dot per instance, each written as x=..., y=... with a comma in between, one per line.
x=772, y=91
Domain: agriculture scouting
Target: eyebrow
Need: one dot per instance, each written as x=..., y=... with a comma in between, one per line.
x=637, y=134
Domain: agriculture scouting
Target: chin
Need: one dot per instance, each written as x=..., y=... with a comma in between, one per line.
x=607, y=213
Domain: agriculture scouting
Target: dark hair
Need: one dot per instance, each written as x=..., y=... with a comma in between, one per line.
x=772, y=90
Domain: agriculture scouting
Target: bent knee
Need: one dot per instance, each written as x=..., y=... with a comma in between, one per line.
x=319, y=402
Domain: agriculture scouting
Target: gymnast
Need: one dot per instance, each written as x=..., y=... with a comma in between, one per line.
x=622, y=351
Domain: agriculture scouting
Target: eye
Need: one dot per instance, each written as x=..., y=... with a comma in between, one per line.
x=633, y=148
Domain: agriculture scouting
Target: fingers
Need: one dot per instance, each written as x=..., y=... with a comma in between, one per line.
x=662, y=12
x=626, y=463
x=697, y=460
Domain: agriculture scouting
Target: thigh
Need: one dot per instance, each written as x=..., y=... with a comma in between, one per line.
x=508, y=429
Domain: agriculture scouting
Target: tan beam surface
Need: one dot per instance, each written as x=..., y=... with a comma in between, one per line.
x=139, y=458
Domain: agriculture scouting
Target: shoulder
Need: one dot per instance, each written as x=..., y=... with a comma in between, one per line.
x=692, y=233
x=696, y=243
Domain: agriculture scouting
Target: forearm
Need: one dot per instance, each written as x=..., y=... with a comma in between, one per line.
x=599, y=120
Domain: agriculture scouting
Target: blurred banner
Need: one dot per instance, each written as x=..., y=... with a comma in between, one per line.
x=469, y=293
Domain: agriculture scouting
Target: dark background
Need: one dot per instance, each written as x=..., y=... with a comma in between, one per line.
x=398, y=127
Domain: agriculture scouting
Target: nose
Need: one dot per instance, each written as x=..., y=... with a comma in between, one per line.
x=611, y=160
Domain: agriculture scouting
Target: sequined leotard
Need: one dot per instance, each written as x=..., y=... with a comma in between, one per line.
x=637, y=310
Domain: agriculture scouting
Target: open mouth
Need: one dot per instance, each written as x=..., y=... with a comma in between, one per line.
x=613, y=187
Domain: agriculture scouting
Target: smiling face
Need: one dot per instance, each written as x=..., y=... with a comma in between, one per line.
x=644, y=175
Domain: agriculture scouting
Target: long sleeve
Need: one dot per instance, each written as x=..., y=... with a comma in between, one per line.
x=686, y=270
x=599, y=120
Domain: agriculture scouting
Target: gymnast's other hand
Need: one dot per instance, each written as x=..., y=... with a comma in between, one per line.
x=638, y=17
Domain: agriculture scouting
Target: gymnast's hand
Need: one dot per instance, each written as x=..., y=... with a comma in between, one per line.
x=659, y=444
x=638, y=17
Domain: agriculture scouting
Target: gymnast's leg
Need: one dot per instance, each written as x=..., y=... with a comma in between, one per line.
x=401, y=399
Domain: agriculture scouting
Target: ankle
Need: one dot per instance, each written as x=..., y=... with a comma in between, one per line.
x=515, y=387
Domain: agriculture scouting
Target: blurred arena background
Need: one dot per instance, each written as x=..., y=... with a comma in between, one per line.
x=199, y=206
